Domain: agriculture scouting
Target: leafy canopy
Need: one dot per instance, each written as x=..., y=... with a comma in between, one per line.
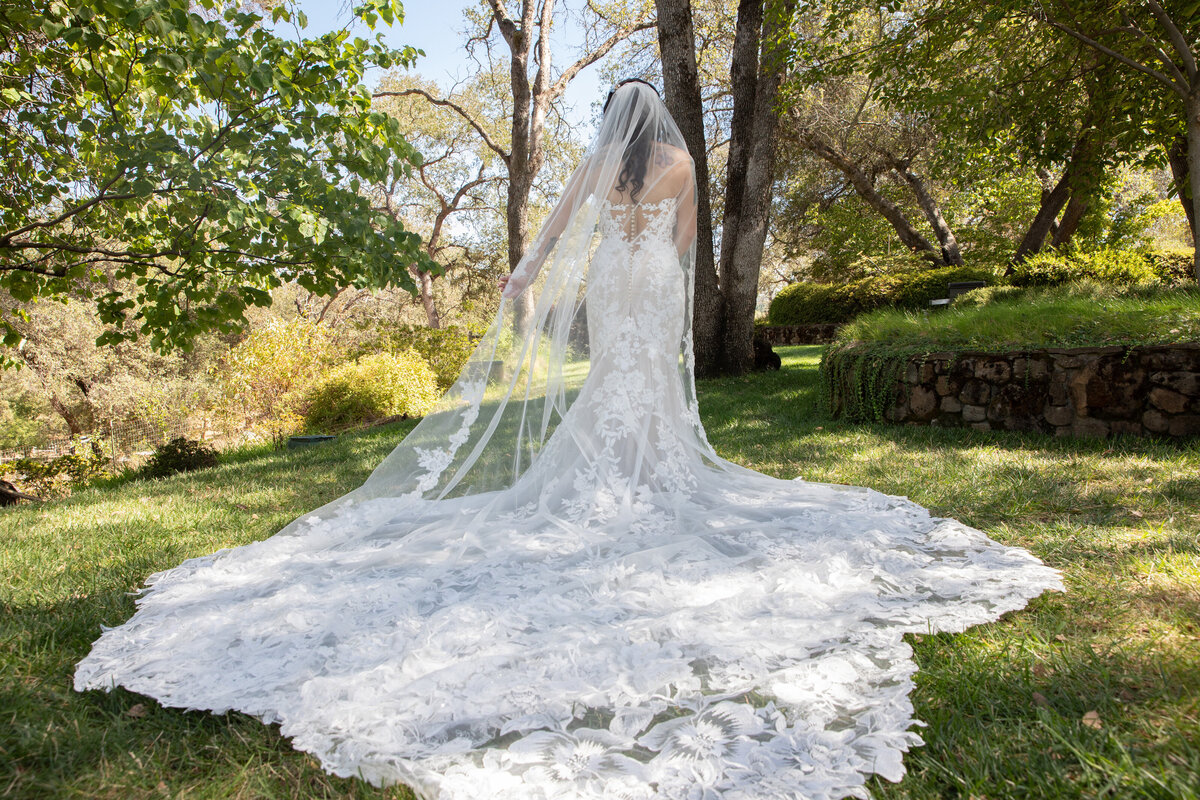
x=172, y=161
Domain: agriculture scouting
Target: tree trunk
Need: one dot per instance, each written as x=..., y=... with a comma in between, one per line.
x=1052, y=203
x=1047, y=187
x=743, y=82
x=951, y=255
x=1077, y=206
x=756, y=75
x=863, y=185
x=64, y=411
x=681, y=89
x=1077, y=183
x=1177, y=156
x=1193, y=162
x=522, y=158
x=425, y=283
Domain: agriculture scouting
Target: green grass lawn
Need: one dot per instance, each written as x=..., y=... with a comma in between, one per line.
x=1009, y=705
x=1001, y=318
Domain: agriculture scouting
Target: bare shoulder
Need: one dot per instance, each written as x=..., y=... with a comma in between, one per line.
x=672, y=157
x=675, y=164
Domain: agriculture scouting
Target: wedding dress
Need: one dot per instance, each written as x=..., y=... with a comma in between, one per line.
x=554, y=587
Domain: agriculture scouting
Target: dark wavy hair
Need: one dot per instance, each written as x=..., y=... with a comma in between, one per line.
x=637, y=154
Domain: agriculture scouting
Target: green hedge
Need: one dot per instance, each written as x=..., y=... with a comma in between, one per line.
x=376, y=386
x=808, y=303
x=1116, y=266
x=1107, y=265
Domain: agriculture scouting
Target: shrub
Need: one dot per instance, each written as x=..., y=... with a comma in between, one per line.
x=894, y=263
x=60, y=473
x=264, y=377
x=987, y=294
x=179, y=455
x=1107, y=265
x=373, y=387
x=1173, y=266
x=806, y=303
x=916, y=289
x=446, y=350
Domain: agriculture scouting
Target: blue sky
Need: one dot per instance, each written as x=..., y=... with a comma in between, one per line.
x=437, y=28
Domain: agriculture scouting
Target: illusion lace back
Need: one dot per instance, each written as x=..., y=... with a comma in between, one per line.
x=633, y=618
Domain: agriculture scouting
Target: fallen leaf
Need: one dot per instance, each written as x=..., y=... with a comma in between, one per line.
x=1092, y=720
x=1137, y=514
x=1040, y=699
x=1058, y=637
x=138, y=711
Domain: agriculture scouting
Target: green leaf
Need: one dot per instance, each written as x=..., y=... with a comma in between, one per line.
x=224, y=174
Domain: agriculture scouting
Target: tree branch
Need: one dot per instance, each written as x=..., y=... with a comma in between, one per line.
x=1132, y=27
x=570, y=72
x=1163, y=78
x=70, y=212
x=1175, y=37
x=508, y=28
x=462, y=112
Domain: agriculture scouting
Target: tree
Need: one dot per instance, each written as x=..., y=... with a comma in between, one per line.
x=172, y=167
x=456, y=178
x=981, y=82
x=1157, y=40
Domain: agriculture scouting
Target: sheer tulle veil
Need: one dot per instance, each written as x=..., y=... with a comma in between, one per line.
x=496, y=418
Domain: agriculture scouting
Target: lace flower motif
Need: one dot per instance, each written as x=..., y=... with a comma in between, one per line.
x=564, y=762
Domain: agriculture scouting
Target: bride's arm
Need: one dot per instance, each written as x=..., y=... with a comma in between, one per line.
x=576, y=192
x=685, y=216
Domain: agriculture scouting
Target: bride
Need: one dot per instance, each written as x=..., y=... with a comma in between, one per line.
x=554, y=587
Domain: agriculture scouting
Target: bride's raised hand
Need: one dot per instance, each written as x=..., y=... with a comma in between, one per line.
x=510, y=287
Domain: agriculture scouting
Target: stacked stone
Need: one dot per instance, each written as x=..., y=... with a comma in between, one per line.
x=816, y=333
x=1092, y=391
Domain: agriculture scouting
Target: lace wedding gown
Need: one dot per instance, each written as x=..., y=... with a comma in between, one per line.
x=631, y=617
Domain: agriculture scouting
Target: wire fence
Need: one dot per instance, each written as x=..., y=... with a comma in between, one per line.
x=122, y=443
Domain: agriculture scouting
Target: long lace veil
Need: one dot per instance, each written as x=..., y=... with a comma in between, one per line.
x=491, y=425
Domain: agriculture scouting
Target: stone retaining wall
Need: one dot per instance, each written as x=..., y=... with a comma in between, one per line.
x=1093, y=391
x=776, y=335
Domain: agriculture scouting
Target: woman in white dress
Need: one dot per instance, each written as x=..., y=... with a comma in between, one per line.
x=554, y=587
